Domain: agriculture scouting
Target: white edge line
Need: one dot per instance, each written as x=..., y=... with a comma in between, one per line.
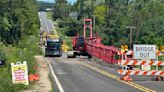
x=55, y=77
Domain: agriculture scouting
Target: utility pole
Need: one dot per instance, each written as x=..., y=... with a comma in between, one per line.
x=131, y=35
x=10, y=7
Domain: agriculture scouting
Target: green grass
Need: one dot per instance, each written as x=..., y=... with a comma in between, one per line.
x=49, y=15
x=25, y=51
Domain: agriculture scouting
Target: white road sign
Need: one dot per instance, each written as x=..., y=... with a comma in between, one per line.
x=144, y=52
x=20, y=73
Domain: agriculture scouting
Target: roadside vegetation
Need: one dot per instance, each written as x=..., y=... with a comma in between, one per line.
x=19, y=30
x=112, y=18
x=42, y=5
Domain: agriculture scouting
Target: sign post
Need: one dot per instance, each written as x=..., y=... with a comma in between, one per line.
x=20, y=73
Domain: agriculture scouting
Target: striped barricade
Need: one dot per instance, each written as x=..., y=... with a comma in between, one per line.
x=131, y=53
x=140, y=62
x=140, y=72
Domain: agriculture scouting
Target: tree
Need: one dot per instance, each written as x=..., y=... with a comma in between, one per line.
x=100, y=13
x=60, y=9
x=113, y=16
x=19, y=19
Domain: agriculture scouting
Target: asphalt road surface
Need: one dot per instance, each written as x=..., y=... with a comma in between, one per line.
x=46, y=24
x=76, y=77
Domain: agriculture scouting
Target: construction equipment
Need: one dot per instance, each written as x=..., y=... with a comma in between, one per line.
x=53, y=47
x=52, y=43
x=92, y=46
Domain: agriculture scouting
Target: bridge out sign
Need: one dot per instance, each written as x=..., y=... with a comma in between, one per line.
x=144, y=52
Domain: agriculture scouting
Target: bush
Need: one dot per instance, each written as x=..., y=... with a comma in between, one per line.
x=25, y=51
x=2, y=54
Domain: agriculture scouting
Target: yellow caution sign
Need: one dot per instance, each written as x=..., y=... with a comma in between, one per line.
x=65, y=48
x=44, y=34
x=161, y=48
x=124, y=48
x=157, y=49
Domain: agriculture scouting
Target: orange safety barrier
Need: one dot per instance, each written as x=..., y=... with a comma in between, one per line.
x=33, y=77
x=140, y=72
x=140, y=62
x=126, y=78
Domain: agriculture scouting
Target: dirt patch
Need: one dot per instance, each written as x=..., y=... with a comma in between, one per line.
x=44, y=84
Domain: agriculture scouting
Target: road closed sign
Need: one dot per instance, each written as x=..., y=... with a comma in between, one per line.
x=20, y=73
x=144, y=52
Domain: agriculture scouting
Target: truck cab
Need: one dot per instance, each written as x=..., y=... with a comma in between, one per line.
x=53, y=47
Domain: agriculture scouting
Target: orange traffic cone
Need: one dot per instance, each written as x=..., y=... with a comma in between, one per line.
x=33, y=77
x=126, y=78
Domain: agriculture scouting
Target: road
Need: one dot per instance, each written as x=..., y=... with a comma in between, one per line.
x=46, y=24
x=75, y=76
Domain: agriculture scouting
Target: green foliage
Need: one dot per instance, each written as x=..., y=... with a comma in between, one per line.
x=100, y=13
x=113, y=17
x=17, y=18
x=2, y=53
x=22, y=52
x=18, y=21
x=43, y=5
x=60, y=9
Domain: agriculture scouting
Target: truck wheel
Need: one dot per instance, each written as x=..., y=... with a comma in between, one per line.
x=89, y=56
x=74, y=55
x=60, y=54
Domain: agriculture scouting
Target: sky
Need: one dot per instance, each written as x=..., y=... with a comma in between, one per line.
x=70, y=1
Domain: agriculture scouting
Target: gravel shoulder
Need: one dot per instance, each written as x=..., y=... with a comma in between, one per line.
x=44, y=84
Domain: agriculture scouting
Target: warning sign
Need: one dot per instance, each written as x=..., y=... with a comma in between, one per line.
x=144, y=52
x=20, y=73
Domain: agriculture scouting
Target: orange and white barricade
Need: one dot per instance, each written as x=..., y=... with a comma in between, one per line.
x=140, y=72
x=140, y=62
x=125, y=61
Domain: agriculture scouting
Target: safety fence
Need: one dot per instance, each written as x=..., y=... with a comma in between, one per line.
x=141, y=70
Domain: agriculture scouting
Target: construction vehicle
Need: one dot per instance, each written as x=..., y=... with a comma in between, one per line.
x=78, y=47
x=53, y=47
x=92, y=46
x=52, y=43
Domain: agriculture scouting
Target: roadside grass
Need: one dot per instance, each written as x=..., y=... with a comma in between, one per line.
x=49, y=15
x=25, y=51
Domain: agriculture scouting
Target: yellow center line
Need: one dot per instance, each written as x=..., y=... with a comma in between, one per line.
x=132, y=84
